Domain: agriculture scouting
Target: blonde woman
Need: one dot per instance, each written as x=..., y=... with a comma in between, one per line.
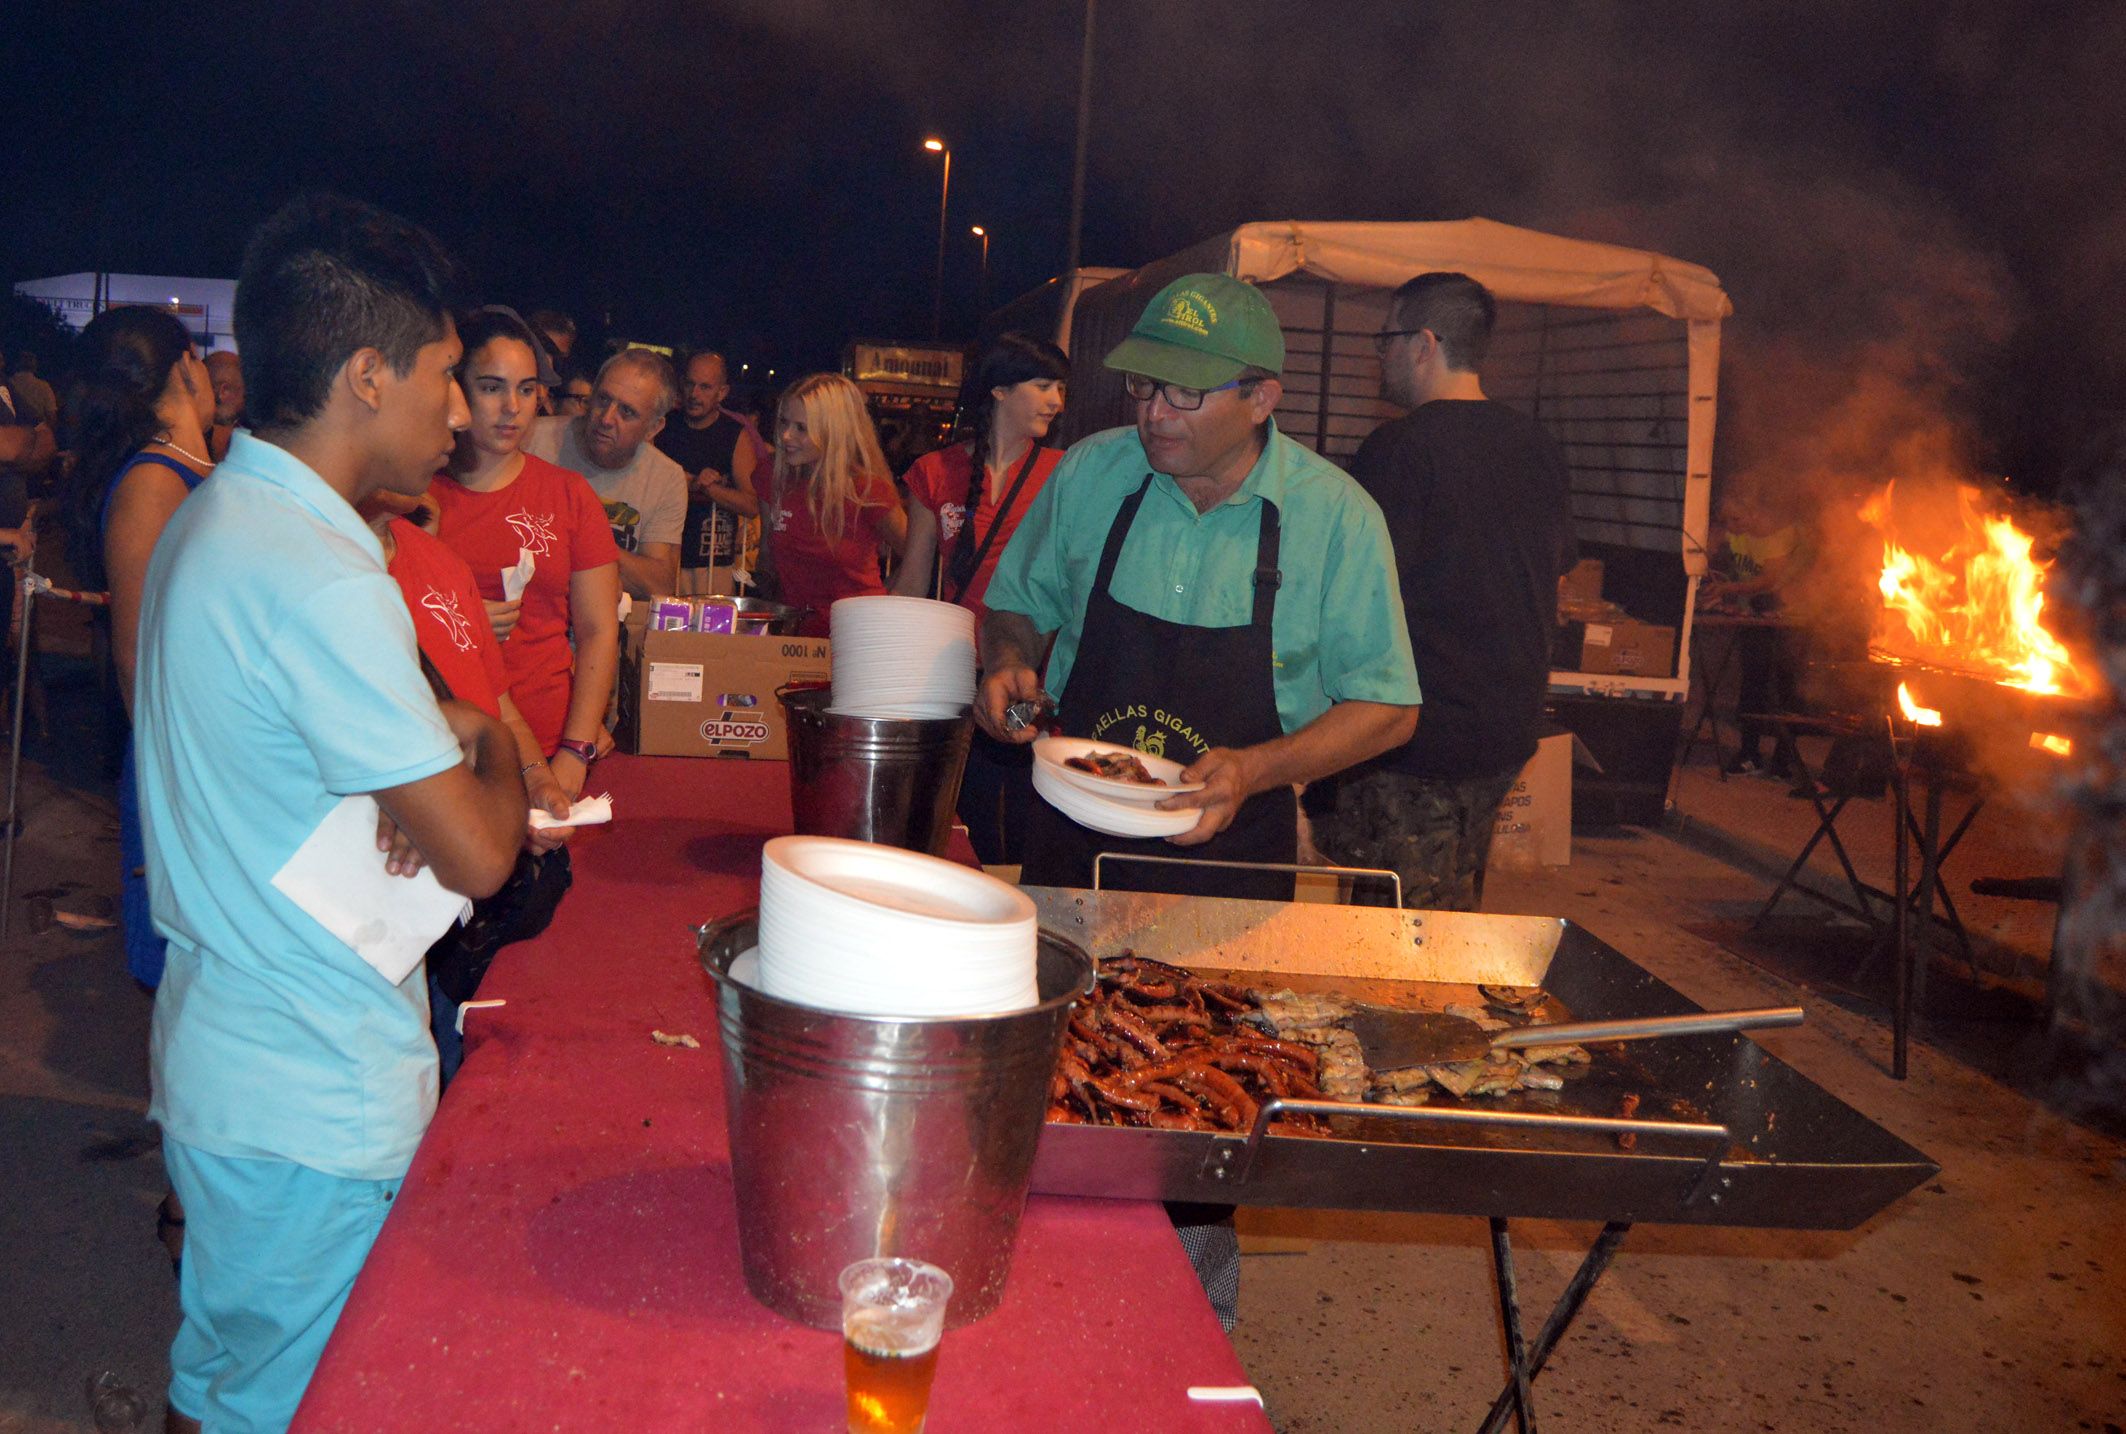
x=832, y=505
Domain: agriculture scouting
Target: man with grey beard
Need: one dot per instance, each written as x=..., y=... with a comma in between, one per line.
x=644, y=492
x=1479, y=507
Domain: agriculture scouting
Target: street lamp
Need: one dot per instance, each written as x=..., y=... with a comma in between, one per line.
x=981, y=289
x=937, y=294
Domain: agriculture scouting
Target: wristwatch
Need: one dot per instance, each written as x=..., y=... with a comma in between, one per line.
x=584, y=752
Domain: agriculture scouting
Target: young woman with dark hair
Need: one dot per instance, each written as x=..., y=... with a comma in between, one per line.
x=497, y=501
x=146, y=401
x=963, y=514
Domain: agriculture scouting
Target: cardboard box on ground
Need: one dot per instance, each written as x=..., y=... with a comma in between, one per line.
x=709, y=694
x=1534, y=826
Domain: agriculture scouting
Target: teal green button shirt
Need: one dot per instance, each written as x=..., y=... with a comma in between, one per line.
x=1338, y=630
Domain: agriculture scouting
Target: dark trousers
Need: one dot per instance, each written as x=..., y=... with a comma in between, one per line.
x=996, y=796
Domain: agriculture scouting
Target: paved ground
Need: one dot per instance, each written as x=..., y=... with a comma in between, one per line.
x=1989, y=1300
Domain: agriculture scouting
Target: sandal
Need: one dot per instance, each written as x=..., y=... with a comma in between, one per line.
x=170, y=1230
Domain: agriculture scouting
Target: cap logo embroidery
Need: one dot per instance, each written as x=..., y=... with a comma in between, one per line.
x=1191, y=311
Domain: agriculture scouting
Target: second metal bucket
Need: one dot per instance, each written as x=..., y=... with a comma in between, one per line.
x=890, y=780
x=854, y=1136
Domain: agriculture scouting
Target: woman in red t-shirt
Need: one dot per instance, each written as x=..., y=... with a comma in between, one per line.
x=832, y=505
x=464, y=660
x=498, y=502
x=964, y=511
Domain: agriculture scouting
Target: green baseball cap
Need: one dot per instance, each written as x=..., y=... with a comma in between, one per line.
x=1200, y=331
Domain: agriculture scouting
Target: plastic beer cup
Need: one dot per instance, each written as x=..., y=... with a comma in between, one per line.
x=893, y=1314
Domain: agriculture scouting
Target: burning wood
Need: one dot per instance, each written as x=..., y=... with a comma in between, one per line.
x=1977, y=605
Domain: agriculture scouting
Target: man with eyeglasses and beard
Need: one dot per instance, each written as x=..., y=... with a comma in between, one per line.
x=1219, y=595
x=1479, y=503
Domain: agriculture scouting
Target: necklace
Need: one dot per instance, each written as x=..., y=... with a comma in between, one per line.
x=164, y=439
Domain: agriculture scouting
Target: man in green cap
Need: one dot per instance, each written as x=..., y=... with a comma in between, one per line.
x=1218, y=595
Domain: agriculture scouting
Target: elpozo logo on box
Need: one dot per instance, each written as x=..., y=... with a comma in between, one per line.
x=731, y=730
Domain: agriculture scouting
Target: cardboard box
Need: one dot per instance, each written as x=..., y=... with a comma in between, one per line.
x=1627, y=648
x=1583, y=583
x=704, y=694
x=1534, y=826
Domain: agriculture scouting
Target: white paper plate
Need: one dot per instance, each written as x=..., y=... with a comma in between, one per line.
x=1123, y=819
x=902, y=881
x=1053, y=752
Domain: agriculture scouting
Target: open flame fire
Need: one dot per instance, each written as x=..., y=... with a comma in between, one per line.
x=1914, y=713
x=1979, y=606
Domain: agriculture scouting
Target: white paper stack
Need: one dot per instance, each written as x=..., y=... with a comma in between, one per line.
x=901, y=657
x=878, y=931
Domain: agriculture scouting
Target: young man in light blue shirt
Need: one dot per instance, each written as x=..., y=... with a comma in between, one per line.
x=278, y=676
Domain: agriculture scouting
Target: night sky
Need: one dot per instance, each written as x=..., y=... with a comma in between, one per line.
x=1920, y=203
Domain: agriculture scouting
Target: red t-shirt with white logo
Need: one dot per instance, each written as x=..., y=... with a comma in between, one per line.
x=939, y=482
x=552, y=513
x=448, y=619
x=816, y=572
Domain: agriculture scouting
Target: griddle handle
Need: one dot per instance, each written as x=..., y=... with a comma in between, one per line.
x=1643, y=1028
x=1221, y=1165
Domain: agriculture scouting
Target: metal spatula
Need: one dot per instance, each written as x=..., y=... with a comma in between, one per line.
x=1395, y=1040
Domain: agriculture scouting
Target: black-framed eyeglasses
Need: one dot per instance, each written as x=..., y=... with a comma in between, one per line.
x=1385, y=337
x=1181, y=400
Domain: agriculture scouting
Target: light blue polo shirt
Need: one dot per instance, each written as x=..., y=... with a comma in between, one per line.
x=277, y=674
x=1338, y=630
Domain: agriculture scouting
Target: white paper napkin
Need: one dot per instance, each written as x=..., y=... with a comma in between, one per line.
x=587, y=812
x=338, y=878
x=515, y=580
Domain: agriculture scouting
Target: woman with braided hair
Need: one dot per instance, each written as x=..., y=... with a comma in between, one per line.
x=962, y=515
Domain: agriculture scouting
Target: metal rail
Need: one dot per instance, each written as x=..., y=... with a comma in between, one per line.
x=1290, y=868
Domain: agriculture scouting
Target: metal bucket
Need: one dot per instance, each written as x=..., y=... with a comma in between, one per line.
x=890, y=780
x=755, y=616
x=855, y=1136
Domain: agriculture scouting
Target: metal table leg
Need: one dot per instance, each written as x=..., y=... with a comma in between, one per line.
x=1900, y=922
x=1561, y=1317
x=1510, y=1317
x=1923, y=895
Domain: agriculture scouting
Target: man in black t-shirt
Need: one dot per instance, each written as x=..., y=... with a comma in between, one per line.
x=1479, y=507
x=722, y=455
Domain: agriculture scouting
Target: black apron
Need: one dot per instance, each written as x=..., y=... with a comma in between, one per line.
x=1175, y=691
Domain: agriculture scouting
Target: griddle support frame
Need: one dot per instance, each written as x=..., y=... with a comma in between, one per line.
x=1527, y=1364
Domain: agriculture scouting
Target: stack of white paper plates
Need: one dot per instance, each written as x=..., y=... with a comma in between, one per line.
x=878, y=931
x=901, y=657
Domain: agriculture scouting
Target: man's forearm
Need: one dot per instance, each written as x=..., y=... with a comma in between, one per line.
x=1343, y=736
x=1009, y=639
x=729, y=495
x=649, y=576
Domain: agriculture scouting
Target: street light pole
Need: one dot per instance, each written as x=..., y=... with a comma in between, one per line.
x=981, y=289
x=1077, y=166
x=937, y=294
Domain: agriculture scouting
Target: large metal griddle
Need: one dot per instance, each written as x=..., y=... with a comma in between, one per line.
x=1726, y=1133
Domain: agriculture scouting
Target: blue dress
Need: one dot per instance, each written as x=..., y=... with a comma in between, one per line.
x=143, y=947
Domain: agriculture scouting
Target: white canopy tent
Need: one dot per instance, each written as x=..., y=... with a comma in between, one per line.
x=1617, y=350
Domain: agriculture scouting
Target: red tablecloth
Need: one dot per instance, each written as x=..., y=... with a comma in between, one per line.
x=564, y=1254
